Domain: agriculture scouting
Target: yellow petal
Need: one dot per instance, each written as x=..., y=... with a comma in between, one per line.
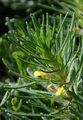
x=41, y=74
x=60, y=91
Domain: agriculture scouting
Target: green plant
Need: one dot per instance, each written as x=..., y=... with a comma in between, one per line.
x=48, y=48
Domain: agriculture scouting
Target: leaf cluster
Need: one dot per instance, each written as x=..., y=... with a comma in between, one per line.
x=50, y=46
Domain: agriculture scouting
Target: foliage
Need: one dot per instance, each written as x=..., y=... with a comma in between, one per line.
x=48, y=47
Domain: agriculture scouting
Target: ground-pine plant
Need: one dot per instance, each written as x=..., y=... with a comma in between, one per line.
x=47, y=70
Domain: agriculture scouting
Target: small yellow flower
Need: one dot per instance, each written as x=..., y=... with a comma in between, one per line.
x=41, y=74
x=61, y=91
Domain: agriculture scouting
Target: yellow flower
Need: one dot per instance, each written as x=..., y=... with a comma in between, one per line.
x=61, y=91
x=41, y=74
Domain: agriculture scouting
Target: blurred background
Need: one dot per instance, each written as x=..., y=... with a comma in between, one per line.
x=23, y=8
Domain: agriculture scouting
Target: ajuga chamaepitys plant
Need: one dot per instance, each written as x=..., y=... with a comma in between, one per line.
x=48, y=65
